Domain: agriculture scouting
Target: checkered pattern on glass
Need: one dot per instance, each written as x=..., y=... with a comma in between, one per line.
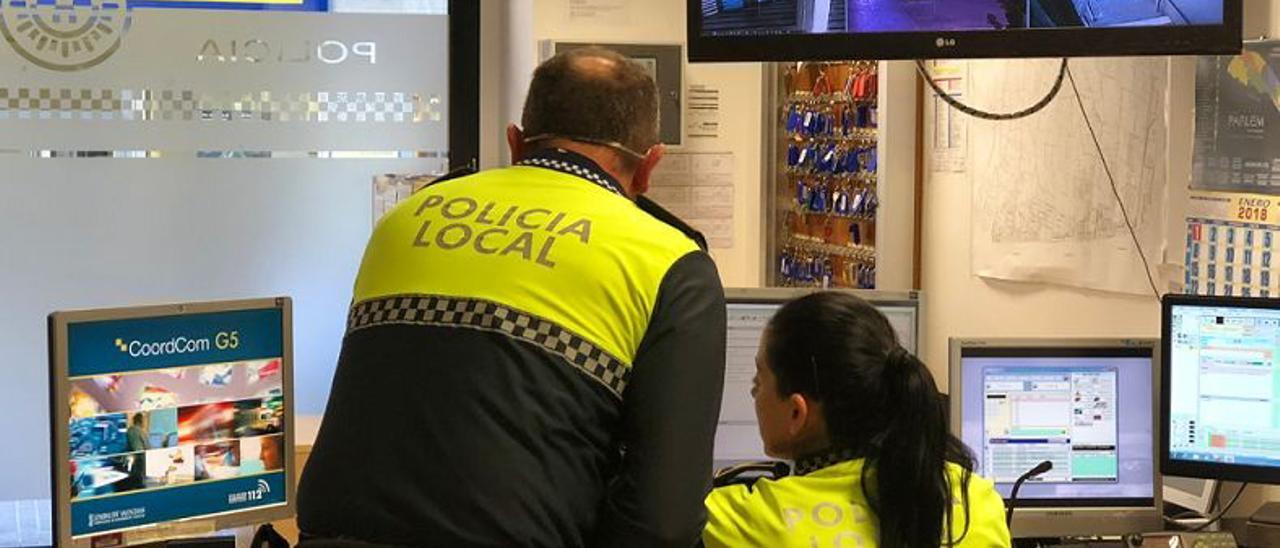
x=188, y=105
x=442, y=311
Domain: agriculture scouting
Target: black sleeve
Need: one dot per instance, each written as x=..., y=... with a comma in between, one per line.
x=670, y=410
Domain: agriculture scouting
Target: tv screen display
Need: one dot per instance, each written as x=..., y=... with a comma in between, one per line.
x=796, y=30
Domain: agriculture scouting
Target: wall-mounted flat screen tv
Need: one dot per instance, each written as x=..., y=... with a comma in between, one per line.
x=815, y=30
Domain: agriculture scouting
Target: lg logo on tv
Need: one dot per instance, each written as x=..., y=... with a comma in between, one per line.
x=946, y=42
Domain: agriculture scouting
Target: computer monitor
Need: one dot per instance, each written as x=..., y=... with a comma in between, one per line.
x=1088, y=406
x=170, y=421
x=749, y=311
x=1196, y=495
x=1221, y=399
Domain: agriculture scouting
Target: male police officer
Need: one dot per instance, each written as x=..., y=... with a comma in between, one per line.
x=530, y=359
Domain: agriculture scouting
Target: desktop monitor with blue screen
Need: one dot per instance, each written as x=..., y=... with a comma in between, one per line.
x=1088, y=406
x=748, y=312
x=169, y=421
x=1221, y=401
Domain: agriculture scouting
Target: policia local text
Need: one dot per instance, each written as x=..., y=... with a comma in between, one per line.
x=497, y=229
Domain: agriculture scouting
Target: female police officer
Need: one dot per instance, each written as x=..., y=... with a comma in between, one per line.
x=862, y=418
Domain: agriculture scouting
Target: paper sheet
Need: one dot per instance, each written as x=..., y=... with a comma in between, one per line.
x=1043, y=209
x=698, y=188
x=702, y=120
x=950, y=126
x=611, y=12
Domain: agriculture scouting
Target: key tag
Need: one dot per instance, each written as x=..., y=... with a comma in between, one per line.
x=851, y=159
x=820, y=124
x=818, y=202
x=858, y=202
x=793, y=119
x=822, y=85
x=873, y=203
x=855, y=233
x=829, y=159
x=811, y=156
x=802, y=193
x=793, y=155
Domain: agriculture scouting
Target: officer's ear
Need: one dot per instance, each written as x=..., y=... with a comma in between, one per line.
x=515, y=140
x=801, y=412
x=806, y=420
x=640, y=181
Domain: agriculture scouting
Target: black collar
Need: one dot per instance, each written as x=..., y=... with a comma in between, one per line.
x=572, y=163
x=813, y=463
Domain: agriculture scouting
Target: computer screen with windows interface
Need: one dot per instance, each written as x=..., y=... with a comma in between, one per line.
x=1224, y=400
x=1089, y=410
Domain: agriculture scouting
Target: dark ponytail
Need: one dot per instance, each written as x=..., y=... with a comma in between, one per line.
x=879, y=402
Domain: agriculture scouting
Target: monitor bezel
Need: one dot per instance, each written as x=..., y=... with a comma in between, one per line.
x=1055, y=517
x=60, y=414
x=1224, y=39
x=781, y=295
x=777, y=296
x=1191, y=469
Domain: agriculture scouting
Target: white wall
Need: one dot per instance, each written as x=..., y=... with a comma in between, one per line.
x=661, y=22
x=959, y=304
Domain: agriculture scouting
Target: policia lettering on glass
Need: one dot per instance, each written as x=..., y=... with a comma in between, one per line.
x=530, y=233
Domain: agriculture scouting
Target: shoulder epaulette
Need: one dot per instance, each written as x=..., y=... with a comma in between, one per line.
x=455, y=174
x=652, y=208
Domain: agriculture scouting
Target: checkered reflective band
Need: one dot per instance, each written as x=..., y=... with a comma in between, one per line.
x=571, y=168
x=441, y=311
x=809, y=465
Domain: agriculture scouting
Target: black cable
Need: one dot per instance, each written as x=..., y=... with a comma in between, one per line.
x=971, y=111
x=1146, y=267
x=1221, y=513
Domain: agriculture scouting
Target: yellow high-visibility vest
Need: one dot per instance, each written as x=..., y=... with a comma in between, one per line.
x=826, y=509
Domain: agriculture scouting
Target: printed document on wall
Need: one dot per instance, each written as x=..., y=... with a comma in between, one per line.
x=1043, y=210
x=698, y=188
